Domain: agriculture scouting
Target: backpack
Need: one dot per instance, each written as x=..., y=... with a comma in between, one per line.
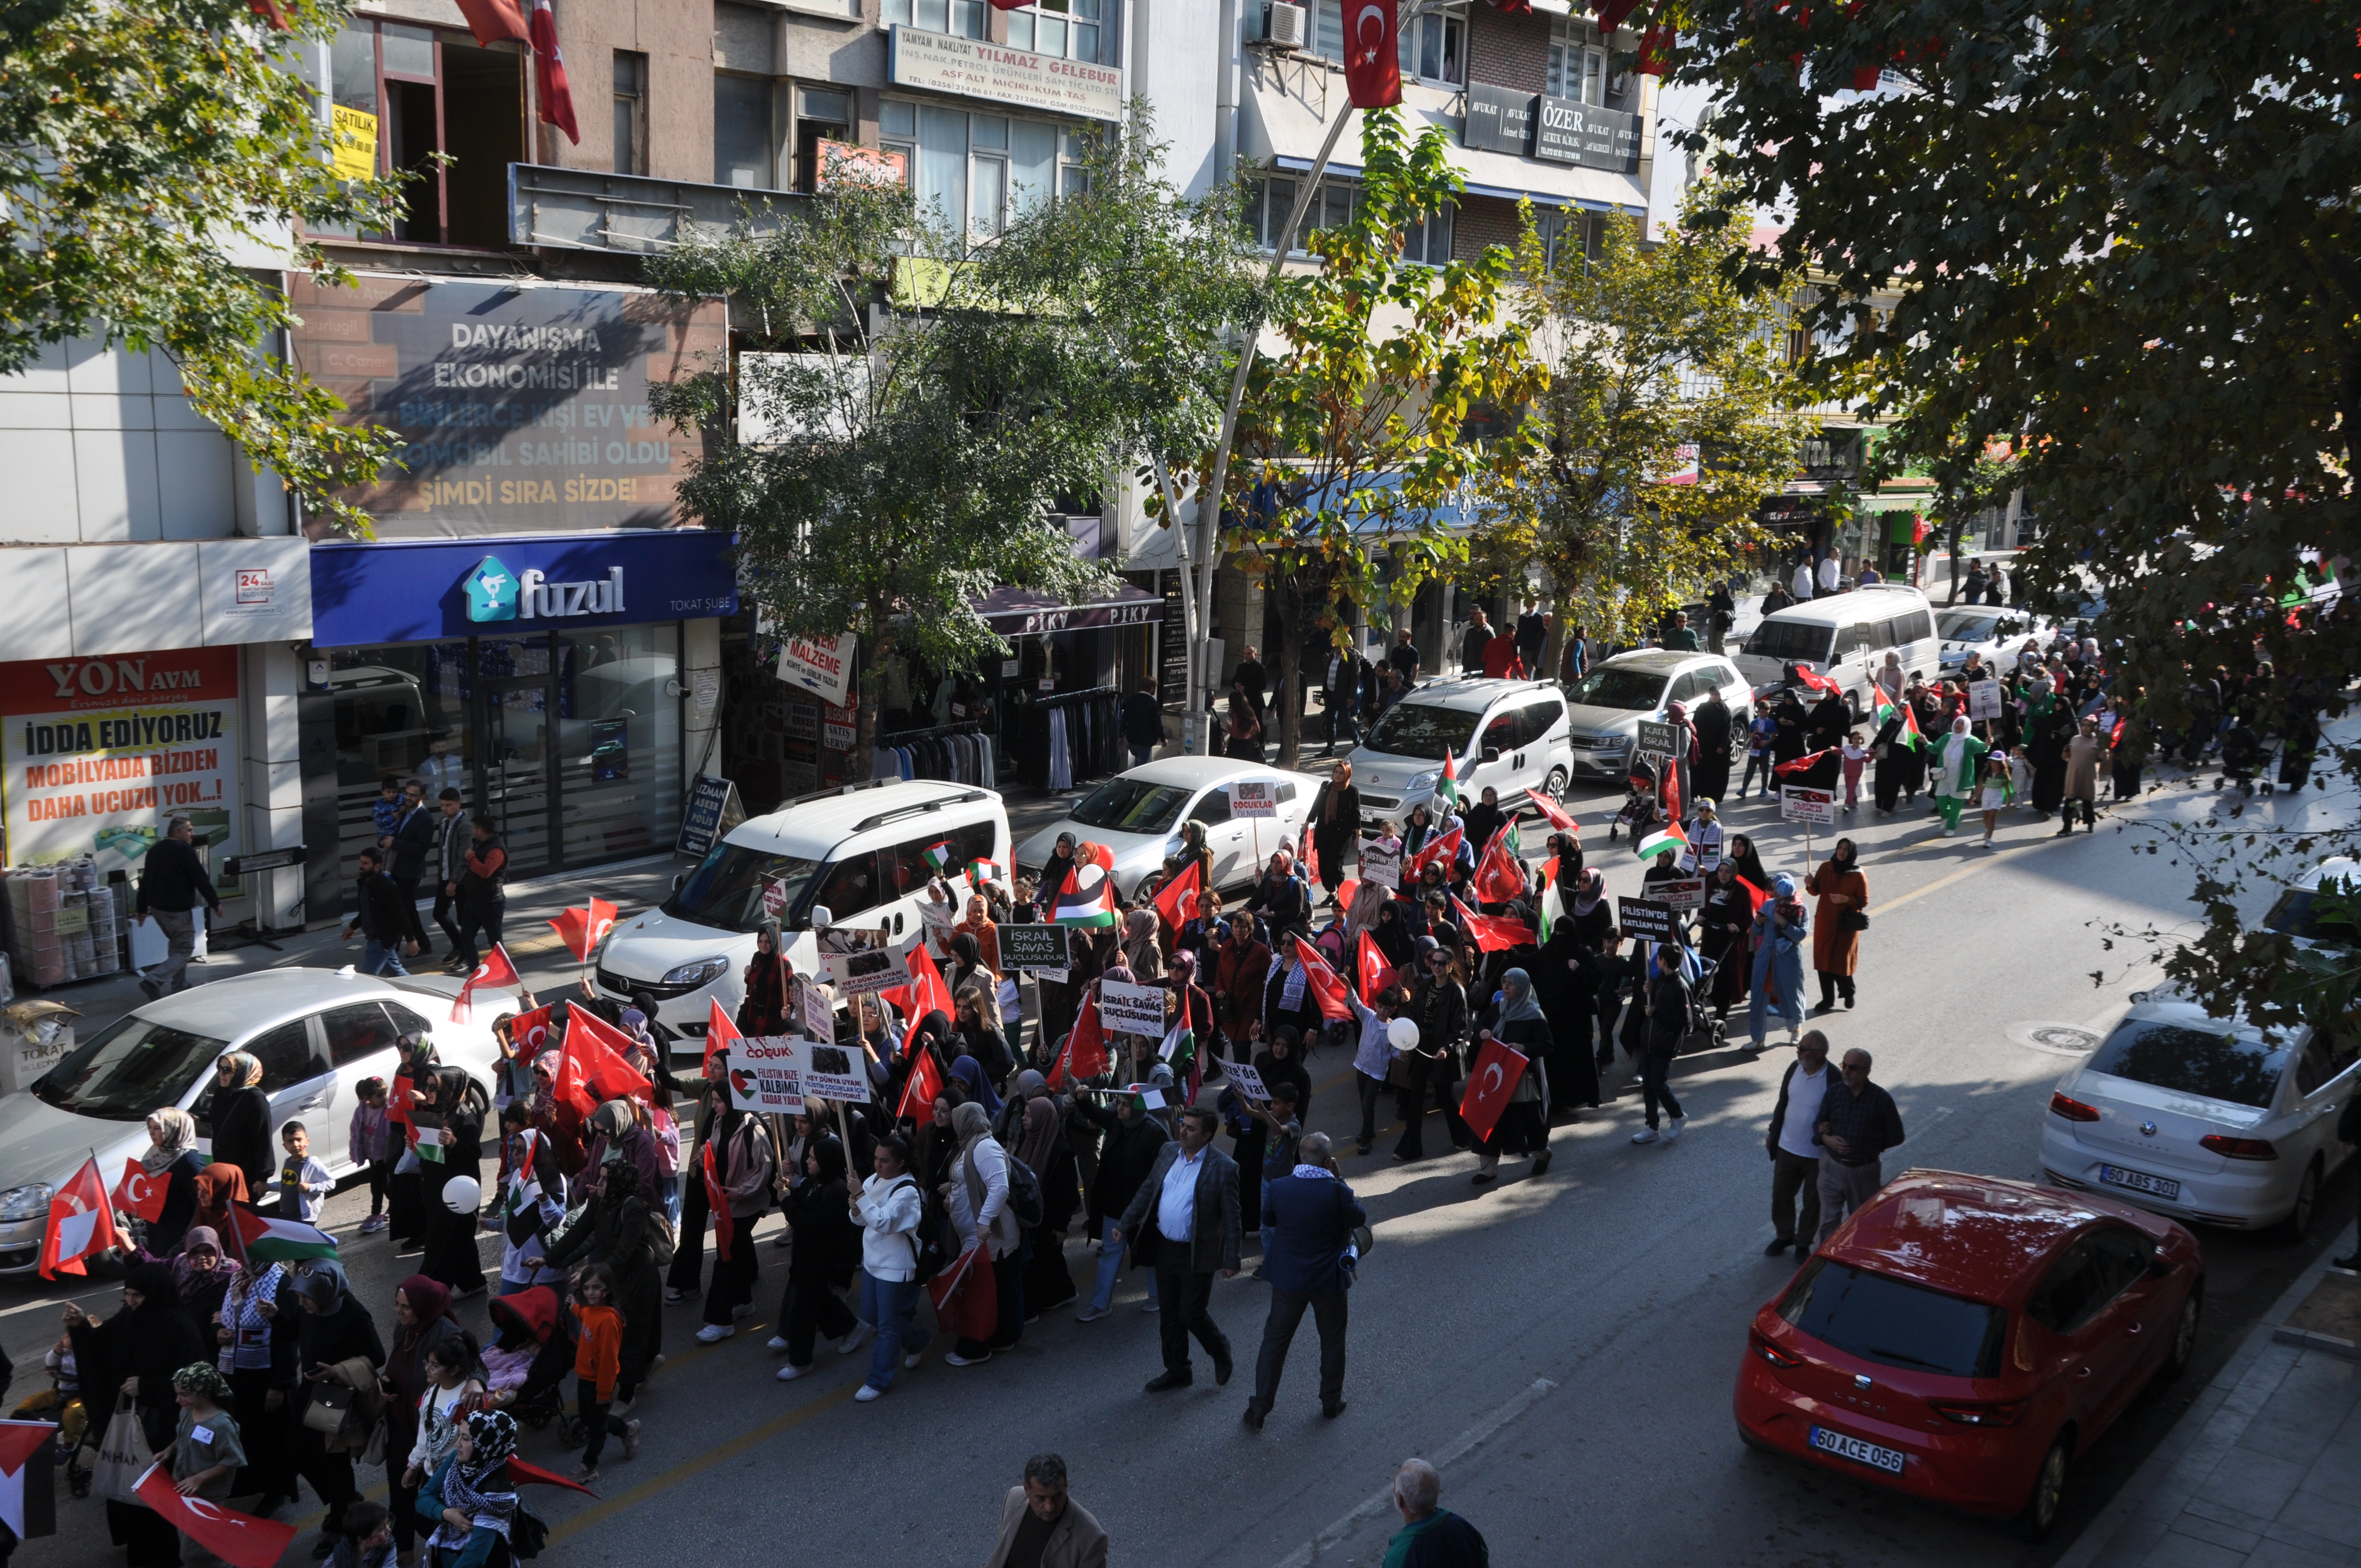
x=1024, y=1191
x=528, y=1533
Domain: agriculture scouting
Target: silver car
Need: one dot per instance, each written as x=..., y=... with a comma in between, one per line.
x=318, y=1033
x=1137, y=815
x=1609, y=704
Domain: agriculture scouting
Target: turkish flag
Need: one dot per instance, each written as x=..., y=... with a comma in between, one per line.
x=583, y=929
x=1559, y=818
x=1610, y=17
x=1372, y=55
x=82, y=1221
x=1514, y=7
x=494, y=22
x=1372, y=970
x=140, y=1193
x=1500, y=879
x=925, y=992
x=966, y=1302
x=522, y=1474
x=1307, y=852
x=719, y=1031
x=530, y=1030
x=1177, y=900
x=924, y=1084
x=725, y=1229
x=592, y=1070
x=549, y=72
x=1441, y=851
x=495, y=973
x=1086, y=1055
x=1493, y=933
x=1755, y=896
x=1328, y=985
x=1489, y=1083
x=240, y=1539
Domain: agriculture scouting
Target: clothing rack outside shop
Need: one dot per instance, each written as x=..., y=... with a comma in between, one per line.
x=1056, y=742
x=962, y=753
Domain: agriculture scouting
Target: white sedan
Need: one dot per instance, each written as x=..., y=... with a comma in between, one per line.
x=1137, y=815
x=2205, y=1120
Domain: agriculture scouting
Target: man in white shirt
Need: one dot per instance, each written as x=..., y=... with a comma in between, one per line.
x=1803, y=582
x=1794, y=1158
x=1184, y=1222
x=1831, y=573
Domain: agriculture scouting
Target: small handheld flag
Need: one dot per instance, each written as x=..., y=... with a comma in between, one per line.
x=82, y=1221
x=140, y=1193
x=1667, y=840
x=1446, y=788
x=938, y=859
x=495, y=973
x=583, y=929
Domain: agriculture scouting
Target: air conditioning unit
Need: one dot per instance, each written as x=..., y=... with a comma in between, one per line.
x=1286, y=26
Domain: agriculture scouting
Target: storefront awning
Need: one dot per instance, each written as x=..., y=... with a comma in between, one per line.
x=1897, y=500
x=1026, y=613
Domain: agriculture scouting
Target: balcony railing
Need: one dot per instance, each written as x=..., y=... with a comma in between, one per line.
x=632, y=215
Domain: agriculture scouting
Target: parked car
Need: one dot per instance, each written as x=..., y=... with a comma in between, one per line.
x=1993, y=630
x=2205, y=1119
x=318, y=1033
x=1509, y=735
x=1963, y=1338
x=860, y=852
x=1137, y=815
x=1608, y=704
x=1846, y=637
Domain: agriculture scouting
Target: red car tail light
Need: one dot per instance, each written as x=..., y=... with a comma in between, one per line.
x=2238, y=1148
x=2072, y=1109
x=1771, y=1352
x=1977, y=1415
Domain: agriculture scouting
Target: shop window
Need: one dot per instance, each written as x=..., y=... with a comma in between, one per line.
x=631, y=113
x=619, y=742
x=742, y=141
x=1067, y=28
x=820, y=116
x=961, y=18
x=1434, y=49
x=990, y=168
x=434, y=92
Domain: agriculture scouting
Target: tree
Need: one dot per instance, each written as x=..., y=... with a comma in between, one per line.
x=1664, y=423
x=917, y=404
x=144, y=148
x=1354, y=437
x=2126, y=229
x=1969, y=479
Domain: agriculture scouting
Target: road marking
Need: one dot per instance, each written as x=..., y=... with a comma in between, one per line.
x=1457, y=1449
x=1970, y=868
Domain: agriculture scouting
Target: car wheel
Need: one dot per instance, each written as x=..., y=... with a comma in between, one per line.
x=1554, y=785
x=2049, y=1490
x=2307, y=1200
x=2184, y=1334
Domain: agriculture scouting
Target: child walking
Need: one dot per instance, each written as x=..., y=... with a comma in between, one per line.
x=206, y=1452
x=598, y=1360
x=368, y=1135
x=1856, y=757
x=1996, y=790
x=303, y=1182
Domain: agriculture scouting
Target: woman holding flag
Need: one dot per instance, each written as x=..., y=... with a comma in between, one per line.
x=455, y=1146
x=1522, y=1126
x=132, y=1356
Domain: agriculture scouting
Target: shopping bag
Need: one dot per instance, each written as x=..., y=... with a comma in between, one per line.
x=124, y=1457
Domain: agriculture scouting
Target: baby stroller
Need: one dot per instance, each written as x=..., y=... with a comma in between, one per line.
x=1638, y=811
x=1706, y=1032
x=530, y=1356
x=2243, y=756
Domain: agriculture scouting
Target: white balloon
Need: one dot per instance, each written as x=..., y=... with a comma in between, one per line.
x=462, y=1193
x=1402, y=1034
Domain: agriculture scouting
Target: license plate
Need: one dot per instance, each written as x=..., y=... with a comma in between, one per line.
x=1886, y=1459
x=2139, y=1181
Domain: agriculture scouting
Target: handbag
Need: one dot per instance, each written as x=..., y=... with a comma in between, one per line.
x=124, y=1456
x=1852, y=920
x=331, y=1406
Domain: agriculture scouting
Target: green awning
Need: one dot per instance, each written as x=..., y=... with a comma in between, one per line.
x=1894, y=500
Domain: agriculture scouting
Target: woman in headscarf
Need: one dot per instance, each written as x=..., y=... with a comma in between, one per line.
x=256, y=1333
x=1567, y=989
x=976, y=1190
x=202, y=1277
x=451, y=1253
x=221, y=1192
x=1335, y=825
x=827, y=1250
x=978, y=1037
x=1741, y=853
x=422, y=1321
x=1058, y=1000
x=1592, y=917
x=132, y=1355
x=764, y=1011
x=1137, y=949
x=1416, y=829
x=616, y=1223
x=1395, y=943
x=1041, y=1147
x=240, y=1114
x=1777, y=935
x=1889, y=679
x=171, y=1158
x=743, y=1166
x=1831, y=718
x=1794, y=738
x=332, y=1330
x=968, y=968
x=1728, y=916
x=1895, y=763
x=1959, y=761
x=1523, y=1126
x=469, y=1498
x=405, y=1206
x=937, y=1142
x=1839, y=888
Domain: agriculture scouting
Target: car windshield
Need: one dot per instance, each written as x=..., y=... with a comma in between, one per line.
x=1893, y=1321
x=2318, y=916
x=1132, y=805
x=1964, y=625
x=2237, y=1067
x=726, y=891
x=128, y=1070
x=1639, y=691
x=1790, y=640
x=1417, y=729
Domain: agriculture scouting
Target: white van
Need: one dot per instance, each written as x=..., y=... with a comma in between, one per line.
x=860, y=852
x=1847, y=637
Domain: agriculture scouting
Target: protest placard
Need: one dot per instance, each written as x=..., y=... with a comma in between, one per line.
x=1247, y=1082
x=766, y=1074
x=1984, y=699
x=817, y=1011
x=832, y=1071
x=1131, y=1009
x=1034, y=948
x=858, y=963
x=1816, y=806
x=1380, y=864
x=1252, y=797
x=1681, y=893
x=1647, y=919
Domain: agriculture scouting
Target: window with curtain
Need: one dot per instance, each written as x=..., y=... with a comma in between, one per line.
x=1427, y=243
x=1067, y=28
x=1578, y=63
x=1434, y=49
x=942, y=164
x=961, y=18
x=1273, y=198
x=992, y=168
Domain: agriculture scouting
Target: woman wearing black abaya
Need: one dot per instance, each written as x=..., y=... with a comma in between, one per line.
x=1727, y=917
x=1713, y=720
x=133, y=1354
x=1794, y=738
x=1832, y=719
x=1740, y=854
x=1059, y=1000
x=1566, y=989
x=1891, y=765
x=451, y=1254
x=2052, y=728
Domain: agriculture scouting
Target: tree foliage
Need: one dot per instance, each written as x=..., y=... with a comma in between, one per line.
x=1354, y=435
x=2126, y=235
x=145, y=148
x=930, y=402
x=1664, y=423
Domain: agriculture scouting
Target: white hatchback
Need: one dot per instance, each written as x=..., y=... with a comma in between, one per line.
x=2206, y=1120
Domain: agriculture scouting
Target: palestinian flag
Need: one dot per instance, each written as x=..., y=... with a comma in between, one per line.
x=269, y=1240
x=1667, y=840
x=1910, y=735
x=1549, y=886
x=979, y=872
x=1088, y=897
x=938, y=859
x=1446, y=788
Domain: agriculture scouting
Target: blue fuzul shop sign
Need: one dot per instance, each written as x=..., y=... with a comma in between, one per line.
x=417, y=590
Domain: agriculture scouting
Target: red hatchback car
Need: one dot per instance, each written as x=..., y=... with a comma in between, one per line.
x=1962, y=1338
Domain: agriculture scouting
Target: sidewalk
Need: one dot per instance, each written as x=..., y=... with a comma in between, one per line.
x=2265, y=1468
